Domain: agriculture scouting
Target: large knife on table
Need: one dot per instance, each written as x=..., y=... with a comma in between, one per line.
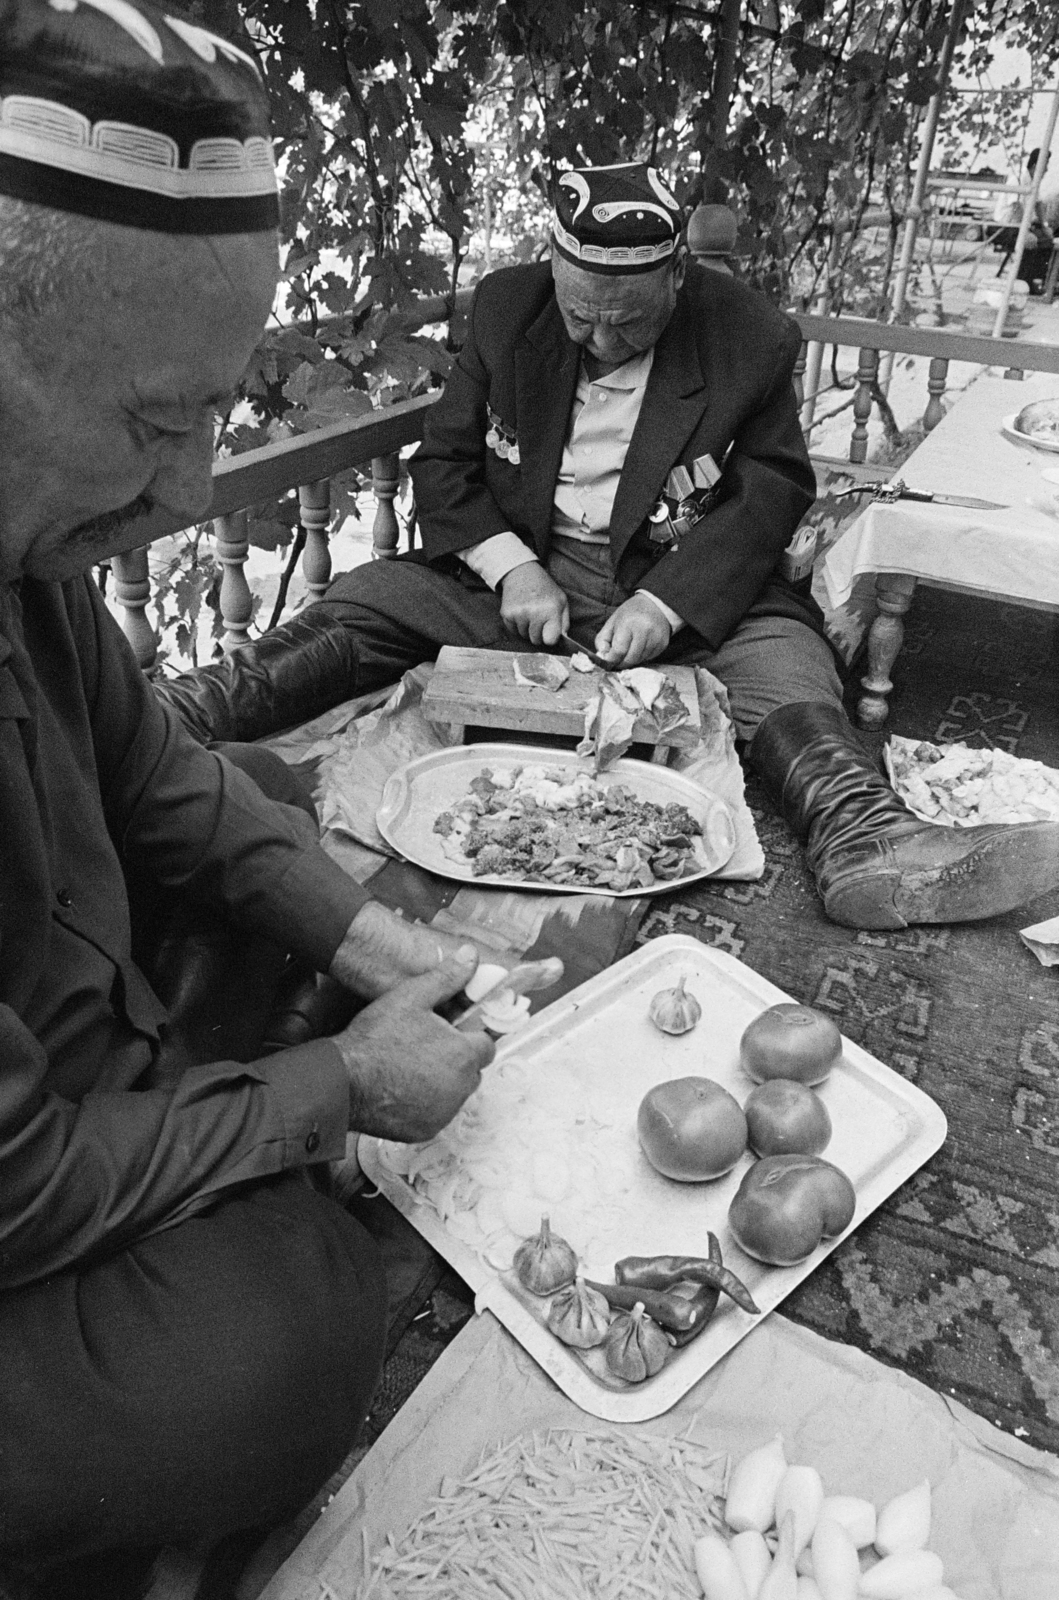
x=887, y=493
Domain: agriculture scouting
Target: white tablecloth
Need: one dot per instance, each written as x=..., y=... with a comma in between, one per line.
x=1014, y=552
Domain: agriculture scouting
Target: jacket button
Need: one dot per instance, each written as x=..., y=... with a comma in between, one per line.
x=64, y=897
x=312, y=1142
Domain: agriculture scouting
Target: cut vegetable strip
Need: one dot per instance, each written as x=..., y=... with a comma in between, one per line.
x=584, y=1516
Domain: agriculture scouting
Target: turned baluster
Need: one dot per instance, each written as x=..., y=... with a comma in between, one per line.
x=799, y=375
x=867, y=367
x=232, y=544
x=314, y=509
x=385, y=530
x=936, y=380
x=893, y=596
x=132, y=590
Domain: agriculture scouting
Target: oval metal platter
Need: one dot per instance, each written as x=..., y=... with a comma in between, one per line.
x=416, y=795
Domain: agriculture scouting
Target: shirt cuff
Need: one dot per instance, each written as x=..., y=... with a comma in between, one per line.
x=314, y=906
x=675, y=621
x=495, y=557
x=311, y=1091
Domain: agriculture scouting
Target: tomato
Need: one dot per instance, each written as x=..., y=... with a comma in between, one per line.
x=786, y=1205
x=790, y=1041
x=691, y=1129
x=786, y=1118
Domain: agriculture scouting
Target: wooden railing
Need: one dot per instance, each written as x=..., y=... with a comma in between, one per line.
x=308, y=462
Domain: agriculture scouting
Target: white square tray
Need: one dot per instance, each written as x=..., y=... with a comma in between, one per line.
x=600, y=1039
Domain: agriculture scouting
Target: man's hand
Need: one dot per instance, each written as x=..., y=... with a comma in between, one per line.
x=532, y=604
x=381, y=949
x=410, y=1072
x=636, y=632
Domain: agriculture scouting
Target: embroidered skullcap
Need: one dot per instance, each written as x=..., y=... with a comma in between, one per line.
x=132, y=113
x=619, y=219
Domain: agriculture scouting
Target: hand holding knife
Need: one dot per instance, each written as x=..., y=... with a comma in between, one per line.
x=887, y=493
x=571, y=646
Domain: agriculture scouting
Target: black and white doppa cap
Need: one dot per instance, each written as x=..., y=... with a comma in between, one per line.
x=133, y=113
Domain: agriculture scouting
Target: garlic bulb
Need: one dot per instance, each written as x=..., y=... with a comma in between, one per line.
x=635, y=1346
x=579, y=1316
x=674, y=1010
x=545, y=1262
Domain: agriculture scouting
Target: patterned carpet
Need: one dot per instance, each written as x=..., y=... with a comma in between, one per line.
x=956, y=1278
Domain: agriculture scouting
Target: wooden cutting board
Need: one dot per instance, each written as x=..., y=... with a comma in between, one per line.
x=478, y=688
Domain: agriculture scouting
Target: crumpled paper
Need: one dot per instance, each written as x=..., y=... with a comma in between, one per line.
x=869, y=1430
x=1043, y=940
x=623, y=699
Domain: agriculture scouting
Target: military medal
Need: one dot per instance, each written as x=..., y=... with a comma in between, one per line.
x=501, y=439
x=662, y=530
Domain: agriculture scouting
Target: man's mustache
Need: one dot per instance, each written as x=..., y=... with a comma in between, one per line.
x=109, y=522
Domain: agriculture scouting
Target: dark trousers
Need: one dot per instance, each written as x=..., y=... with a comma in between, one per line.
x=206, y=1379
x=401, y=613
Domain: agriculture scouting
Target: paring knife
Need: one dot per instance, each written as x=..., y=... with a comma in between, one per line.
x=887, y=493
x=572, y=648
x=522, y=979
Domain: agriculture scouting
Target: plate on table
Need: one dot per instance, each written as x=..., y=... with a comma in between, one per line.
x=565, y=1092
x=416, y=795
x=1037, y=441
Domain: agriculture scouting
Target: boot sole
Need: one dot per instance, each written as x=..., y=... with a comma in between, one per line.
x=997, y=876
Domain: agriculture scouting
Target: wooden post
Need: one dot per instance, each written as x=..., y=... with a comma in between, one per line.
x=862, y=404
x=385, y=530
x=132, y=589
x=232, y=545
x=936, y=380
x=314, y=503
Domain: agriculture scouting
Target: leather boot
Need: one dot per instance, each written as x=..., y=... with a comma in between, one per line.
x=876, y=865
x=287, y=676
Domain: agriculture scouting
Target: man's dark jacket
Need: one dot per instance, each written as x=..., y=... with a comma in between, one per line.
x=720, y=384
x=98, y=779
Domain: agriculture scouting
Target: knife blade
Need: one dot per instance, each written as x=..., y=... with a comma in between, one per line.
x=968, y=500
x=572, y=648
x=522, y=979
x=887, y=493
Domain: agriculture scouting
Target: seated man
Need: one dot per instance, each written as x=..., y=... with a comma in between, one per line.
x=617, y=454
x=1037, y=253
x=190, y=1328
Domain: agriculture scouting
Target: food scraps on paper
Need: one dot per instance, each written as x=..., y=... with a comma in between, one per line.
x=960, y=787
x=623, y=699
x=537, y=823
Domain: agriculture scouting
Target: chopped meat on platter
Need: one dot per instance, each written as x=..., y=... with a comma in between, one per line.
x=539, y=823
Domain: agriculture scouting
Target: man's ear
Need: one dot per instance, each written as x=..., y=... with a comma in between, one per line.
x=680, y=265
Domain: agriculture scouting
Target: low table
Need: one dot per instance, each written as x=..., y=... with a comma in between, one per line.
x=1011, y=554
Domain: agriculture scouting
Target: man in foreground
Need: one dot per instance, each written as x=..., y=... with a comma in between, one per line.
x=190, y=1329
x=617, y=455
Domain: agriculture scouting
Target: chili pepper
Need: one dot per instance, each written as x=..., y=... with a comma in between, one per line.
x=674, y=1312
x=703, y=1297
x=662, y=1272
